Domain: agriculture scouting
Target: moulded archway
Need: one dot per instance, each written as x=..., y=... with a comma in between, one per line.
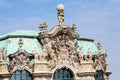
x=21, y=75
x=63, y=74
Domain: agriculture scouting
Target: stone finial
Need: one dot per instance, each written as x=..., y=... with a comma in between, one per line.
x=20, y=43
x=40, y=27
x=60, y=9
x=45, y=26
x=74, y=27
x=99, y=46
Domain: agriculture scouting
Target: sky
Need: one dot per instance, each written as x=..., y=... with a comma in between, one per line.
x=96, y=19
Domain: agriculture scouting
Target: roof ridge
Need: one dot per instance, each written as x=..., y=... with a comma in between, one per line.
x=21, y=33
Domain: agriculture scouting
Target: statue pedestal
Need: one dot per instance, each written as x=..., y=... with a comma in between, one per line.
x=86, y=71
x=40, y=66
x=4, y=74
x=87, y=66
x=41, y=71
x=3, y=67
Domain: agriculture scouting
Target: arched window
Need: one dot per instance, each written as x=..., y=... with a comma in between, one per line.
x=99, y=75
x=21, y=75
x=63, y=74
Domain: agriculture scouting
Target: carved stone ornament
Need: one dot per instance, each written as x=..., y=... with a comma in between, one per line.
x=100, y=61
x=59, y=47
x=20, y=60
x=60, y=9
x=3, y=54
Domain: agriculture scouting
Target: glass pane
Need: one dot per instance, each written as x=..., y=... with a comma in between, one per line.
x=63, y=74
x=56, y=74
x=17, y=75
x=21, y=75
x=99, y=75
x=13, y=78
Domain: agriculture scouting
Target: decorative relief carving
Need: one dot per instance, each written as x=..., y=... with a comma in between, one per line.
x=100, y=59
x=61, y=51
x=74, y=27
x=20, y=60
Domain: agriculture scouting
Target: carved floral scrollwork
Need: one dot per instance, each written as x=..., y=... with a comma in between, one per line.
x=60, y=51
x=20, y=60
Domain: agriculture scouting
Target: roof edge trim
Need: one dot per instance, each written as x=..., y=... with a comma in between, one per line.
x=16, y=36
x=86, y=39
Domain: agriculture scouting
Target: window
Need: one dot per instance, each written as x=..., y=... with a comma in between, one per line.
x=63, y=74
x=99, y=75
x=21, y=75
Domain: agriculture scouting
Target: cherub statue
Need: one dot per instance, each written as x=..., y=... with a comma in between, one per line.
x=80, y=54
x=89, y=54
x=35, y=54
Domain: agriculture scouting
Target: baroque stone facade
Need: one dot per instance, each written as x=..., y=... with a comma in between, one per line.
x=60, y=50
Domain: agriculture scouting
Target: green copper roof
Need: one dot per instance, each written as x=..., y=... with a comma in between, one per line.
x=25, y=32
x=85, y=45
x=21, y=33
x=3, y=43
x=29, y=45
x=30, y=41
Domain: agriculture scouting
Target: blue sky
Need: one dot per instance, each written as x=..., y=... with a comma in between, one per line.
x=96, y=19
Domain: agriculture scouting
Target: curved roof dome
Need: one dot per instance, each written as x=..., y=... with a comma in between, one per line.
x=10, y=42
x=86, y=44
x=30, y=42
